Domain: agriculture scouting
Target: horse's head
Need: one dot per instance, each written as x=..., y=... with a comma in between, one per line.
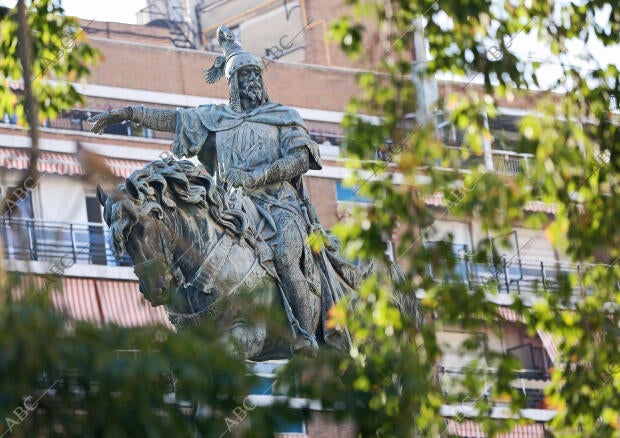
x=147, y=213
x=141, y=230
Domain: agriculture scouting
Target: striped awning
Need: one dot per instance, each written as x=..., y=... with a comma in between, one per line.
x=98, y=302
x=77, y=298
x=292, y=435
x=539, y=206
x=550, y=344
x=80, y=300
x=29, y=284
x=123, y=304
x=509, y=314
x=61, y=163
x=471, y=429
x=548, y=341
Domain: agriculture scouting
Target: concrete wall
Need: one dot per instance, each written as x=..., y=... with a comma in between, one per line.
x=171, y=70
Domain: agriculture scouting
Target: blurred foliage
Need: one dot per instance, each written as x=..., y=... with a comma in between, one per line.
x=67, y=378
x=389, y=383
x=60, y=52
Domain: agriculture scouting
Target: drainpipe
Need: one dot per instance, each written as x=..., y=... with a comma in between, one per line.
x=426, y=86
x=487, y=147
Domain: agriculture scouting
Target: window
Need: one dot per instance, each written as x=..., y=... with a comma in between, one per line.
x=346, y=196
x=98, y=240
x=269, y=387
x=122, y=128
x=18, y=230
x=96, y=248
x=349, y=194
x=447, y=251
x=9, y=118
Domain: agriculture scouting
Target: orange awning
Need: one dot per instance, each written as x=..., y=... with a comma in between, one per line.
x=548, y=341
x=123, y=304
x=471, y=429
x=80, y=299
x=98, y=301
x=61, y=163
x=550, y=344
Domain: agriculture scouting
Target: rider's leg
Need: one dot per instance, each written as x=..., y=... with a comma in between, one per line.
x=288, y=255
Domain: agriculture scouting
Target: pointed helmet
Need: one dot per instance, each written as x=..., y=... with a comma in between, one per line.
x=233, y=59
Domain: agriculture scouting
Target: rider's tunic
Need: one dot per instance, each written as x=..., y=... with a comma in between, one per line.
x=251, y=142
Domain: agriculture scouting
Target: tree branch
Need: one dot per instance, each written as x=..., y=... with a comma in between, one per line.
x=32, y=112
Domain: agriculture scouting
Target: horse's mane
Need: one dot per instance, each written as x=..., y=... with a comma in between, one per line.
x=161, y=184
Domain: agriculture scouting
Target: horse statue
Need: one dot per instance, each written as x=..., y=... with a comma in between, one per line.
x=198, y=255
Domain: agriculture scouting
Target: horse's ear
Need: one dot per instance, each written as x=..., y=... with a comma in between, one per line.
x=132, y=189
x=101, y=195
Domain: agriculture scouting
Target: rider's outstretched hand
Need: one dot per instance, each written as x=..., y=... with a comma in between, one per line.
x=101, y=121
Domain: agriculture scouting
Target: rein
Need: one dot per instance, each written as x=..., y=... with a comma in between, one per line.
x=182, y=320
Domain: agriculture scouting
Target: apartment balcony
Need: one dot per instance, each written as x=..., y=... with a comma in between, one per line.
x=504, y=162
x=531, y=382
x=59, y=242
x=513, y=276
x=76, y=120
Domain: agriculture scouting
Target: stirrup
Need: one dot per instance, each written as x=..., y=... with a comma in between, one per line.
x=305, y=344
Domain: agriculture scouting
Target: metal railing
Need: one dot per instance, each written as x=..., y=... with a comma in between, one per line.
x=450, y=377
x=504, y=162
x=76, y=120
x=514, y=276
x=59, y=242
x=510, y=163
x=532, y=358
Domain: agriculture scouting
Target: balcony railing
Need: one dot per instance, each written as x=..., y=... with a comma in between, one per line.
x=61, y=242
x=528, y=381
x=76, y=120
x=513, y=276
x=504, y=162
x=510, y=163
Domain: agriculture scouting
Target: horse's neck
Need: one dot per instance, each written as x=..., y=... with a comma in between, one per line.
x=200, y=233
x=223, y=259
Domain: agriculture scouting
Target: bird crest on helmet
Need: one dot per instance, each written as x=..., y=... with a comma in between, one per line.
x=233, y=59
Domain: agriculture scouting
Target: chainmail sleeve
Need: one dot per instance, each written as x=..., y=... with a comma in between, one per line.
x=285, y=169
x=154, y=118
x=296, y=137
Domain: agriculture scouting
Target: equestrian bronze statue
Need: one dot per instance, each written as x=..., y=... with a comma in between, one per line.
x=242, y=227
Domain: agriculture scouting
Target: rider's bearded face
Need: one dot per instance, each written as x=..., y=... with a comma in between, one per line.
x=250, y=85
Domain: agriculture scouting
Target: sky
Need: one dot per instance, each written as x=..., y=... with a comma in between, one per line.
x=122, y=11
